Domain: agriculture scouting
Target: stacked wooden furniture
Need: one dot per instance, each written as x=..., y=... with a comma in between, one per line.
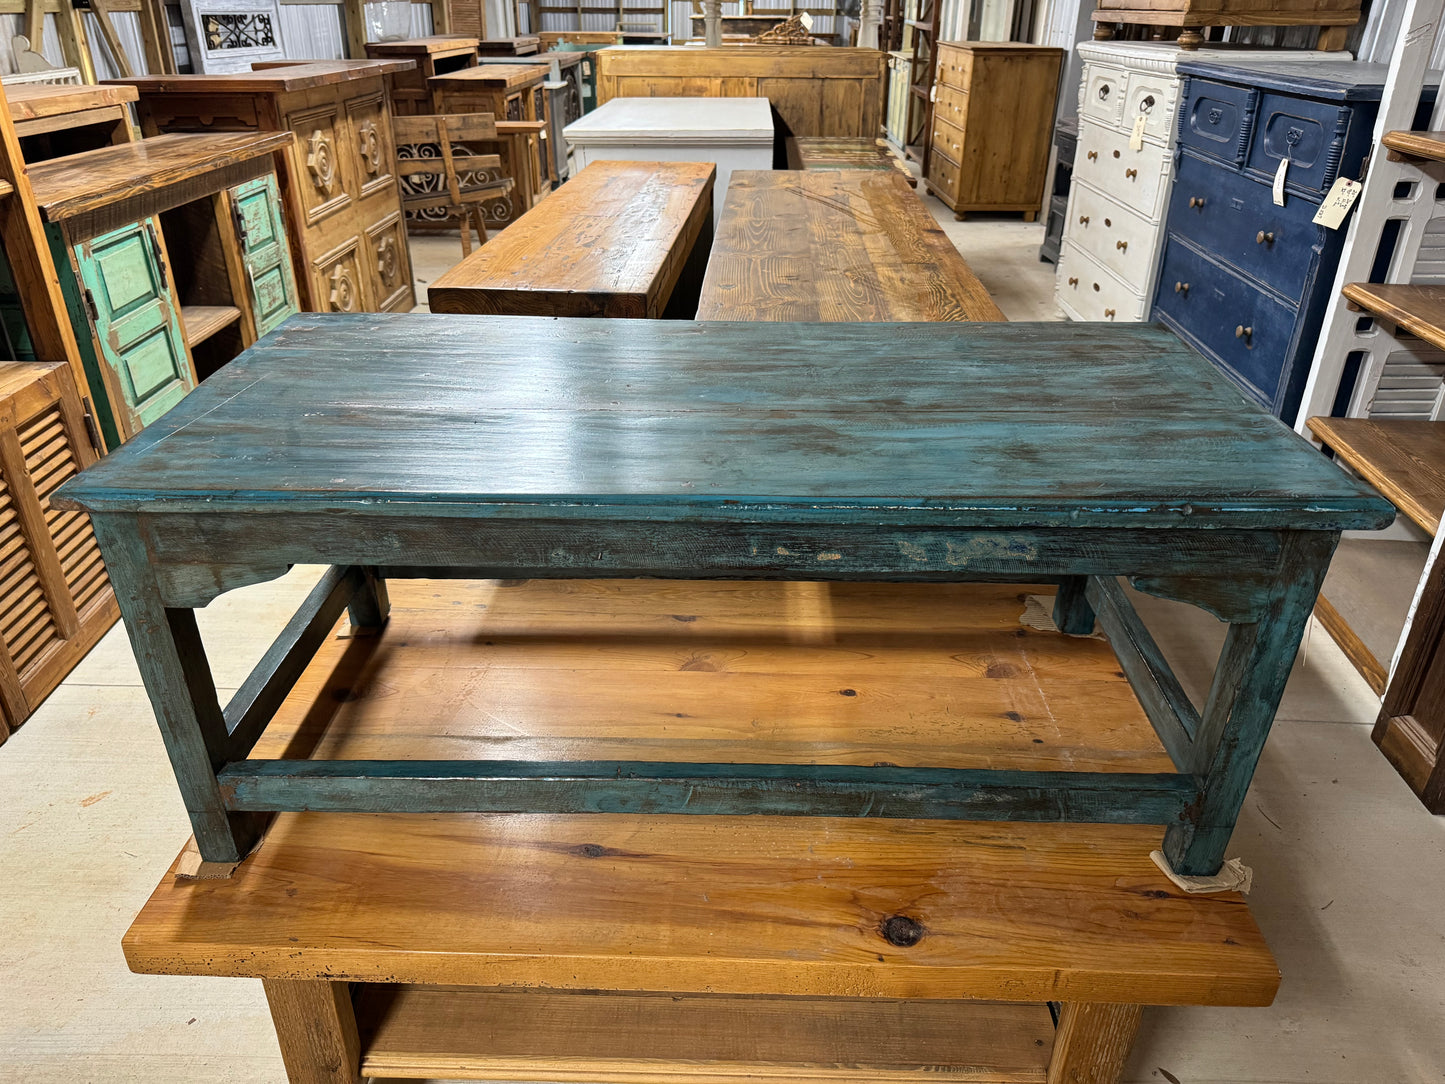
x=408, y=89
x=172, y=258
x=1333, y=17
x=621, y=239
x=1243, y=280
x=514, y=94
x=647, y=949
x=835, y=246
x=338, y=183
x=565, y=99
x=56, y=120
x=820, y=152
x=815, y=92
x=525, y=45
x=992, y=120
x=55, y=600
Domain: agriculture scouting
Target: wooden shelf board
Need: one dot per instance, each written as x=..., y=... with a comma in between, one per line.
x=1427, y=145
x=203, y=321
x=1404, y=460
x=598, y=1038
x=736, y=905
x=1420, y=310
x=31, y=101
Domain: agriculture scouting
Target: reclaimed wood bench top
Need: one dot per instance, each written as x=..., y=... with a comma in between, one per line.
x=29, y=101
x=983, y=425
x=437, y=43
x=610, y=242
x=1405, y=460
x=835, y=246
x=743, y=905
x=490, y=77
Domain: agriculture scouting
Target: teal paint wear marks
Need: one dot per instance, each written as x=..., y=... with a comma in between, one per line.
x=396, y=446
x=257, y=208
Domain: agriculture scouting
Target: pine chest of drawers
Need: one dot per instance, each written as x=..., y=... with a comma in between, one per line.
x=993, y=113
x=1114, y=227
x=1244, y=279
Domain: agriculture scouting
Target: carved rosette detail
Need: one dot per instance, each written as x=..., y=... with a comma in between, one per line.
x=368, y=141
x=343, y=289
x=321, y=162
x=387, y=263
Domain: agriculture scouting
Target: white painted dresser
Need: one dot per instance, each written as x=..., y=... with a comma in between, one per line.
x=1114, y=229
x=736, y=133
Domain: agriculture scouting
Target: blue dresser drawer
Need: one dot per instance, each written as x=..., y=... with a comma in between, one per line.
x=1310, y=134
x=1234, y=218
x=1238, y=326
x=1215, y=119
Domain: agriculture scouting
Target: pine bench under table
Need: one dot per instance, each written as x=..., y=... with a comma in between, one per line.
x=656, y=949
x=403, y=446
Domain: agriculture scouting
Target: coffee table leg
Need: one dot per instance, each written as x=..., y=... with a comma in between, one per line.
x=370, y=605
x=1093, y=1042
x=1072, y=612
x=316, y=1027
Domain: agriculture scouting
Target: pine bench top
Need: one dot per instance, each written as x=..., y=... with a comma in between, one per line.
x=954, y=425
x=1404, y=459
x=611, y=242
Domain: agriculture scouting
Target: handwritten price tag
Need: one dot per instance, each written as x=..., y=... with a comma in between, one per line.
x=1136, y=137
x=1279, y=182
x=1338, y=201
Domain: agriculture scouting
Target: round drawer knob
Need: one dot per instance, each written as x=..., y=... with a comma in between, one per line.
x=1245, y=333
x=1116, y=154
x=1109, y=314
x=1073, y=280
x=1083, y=220
x=1264, y=238
x=1182, y=289
x=1093, y=155
x=1122, y=246
x=1196, y=201
x=1132, y=174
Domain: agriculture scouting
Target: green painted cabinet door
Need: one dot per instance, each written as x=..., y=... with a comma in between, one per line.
x=137, y=329
x=263, y=246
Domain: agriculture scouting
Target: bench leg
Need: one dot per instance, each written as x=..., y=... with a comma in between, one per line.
x=1072, y=612
x=316, y=1027
x=1093, y=1042
x=371, y=605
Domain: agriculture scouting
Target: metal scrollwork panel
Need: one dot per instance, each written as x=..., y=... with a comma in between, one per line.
x=230, y=35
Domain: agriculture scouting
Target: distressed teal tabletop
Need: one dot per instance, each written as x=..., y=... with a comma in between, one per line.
x=964, y=424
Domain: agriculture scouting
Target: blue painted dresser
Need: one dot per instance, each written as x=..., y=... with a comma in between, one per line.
x=1243, y=280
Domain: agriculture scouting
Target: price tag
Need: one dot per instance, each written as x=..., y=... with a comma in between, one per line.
x=1136, y=137
x=933, y=93
x=806, y=20
x=1337, y=204
x=586, y=67
x=1279, y=182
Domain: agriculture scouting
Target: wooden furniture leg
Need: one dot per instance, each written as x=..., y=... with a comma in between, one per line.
x=1092, y=1043
x=316, y=1027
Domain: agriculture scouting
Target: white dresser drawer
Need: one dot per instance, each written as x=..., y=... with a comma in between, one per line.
x=1086, y=291
x=1138, y=179
x=1156, y=98
x=1115, y=236
x=1101, y=94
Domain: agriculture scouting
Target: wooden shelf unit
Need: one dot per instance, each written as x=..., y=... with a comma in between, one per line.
x=203, y=321
x=1427, y=145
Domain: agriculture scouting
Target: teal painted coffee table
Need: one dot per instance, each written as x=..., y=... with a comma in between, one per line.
x=394, y=446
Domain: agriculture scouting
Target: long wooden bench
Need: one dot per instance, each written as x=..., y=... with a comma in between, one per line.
x=784, y=948
x=621, y=239
x=835, y=246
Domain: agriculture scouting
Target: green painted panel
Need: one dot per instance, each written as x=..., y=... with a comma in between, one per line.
x=15, y=343
x=125, y=272
x=268, y=261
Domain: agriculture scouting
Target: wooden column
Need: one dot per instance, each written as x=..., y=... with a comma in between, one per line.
x=316, y=1027
x=1093, y=1043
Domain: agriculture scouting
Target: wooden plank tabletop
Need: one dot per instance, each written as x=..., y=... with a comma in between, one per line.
x=1404, y=460
x=611, y=242
x=807, y=906
x=30, y=101
x=273, y=78
x=835, y=246
x=490, y=77
x=66, y=189
x=987, y=425
x=437, y=43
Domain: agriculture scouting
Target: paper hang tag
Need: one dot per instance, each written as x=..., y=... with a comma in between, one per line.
x=1136, y=137
x=1338, y=201
x=933, y=93
x=1279, y=182
x=586, y=67
x=806, y=20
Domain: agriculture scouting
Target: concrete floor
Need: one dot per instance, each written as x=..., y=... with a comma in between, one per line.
x=1349, y=869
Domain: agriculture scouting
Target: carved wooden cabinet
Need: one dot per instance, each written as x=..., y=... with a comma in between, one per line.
x=55, y=599
x=338, y=186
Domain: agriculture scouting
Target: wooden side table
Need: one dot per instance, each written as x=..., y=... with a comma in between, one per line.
x=57, y=120
x=436, y=55
x=652, y=950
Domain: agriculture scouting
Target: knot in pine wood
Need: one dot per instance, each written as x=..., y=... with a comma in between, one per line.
x=901, y=930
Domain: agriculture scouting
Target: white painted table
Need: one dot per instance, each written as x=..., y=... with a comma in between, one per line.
x=735, y=133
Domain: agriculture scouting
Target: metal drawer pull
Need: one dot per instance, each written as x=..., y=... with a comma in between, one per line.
x=1122, y=246
x=1093, y=155
x=1146, y=104
x=1132, y=174
x=1104, y=91
x=1196, y=201
x=1109, y=313
x=1083, y=220
x=1263, y=238
x=1245, y=333
x=1073, y=280
x=1182, y=289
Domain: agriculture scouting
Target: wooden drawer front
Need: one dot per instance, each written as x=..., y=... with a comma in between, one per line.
x=1234, y=218
x=1310, y=134
x=951, y=106
x=1101, y=95
x=388, y=264
x=370, y=133
x=1211, y=307
x=1153, y=97
x=322, y=158
x=1088, y=292
x=943, y=176
x=955, y=67
x=948, y=141
x=339, y=280
x=1119, y=239
x=1217, y=118
x=1138, y=179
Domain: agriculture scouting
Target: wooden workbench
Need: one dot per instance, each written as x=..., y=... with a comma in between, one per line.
x=731, y=948
x=621, y=239
x=835, y=246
